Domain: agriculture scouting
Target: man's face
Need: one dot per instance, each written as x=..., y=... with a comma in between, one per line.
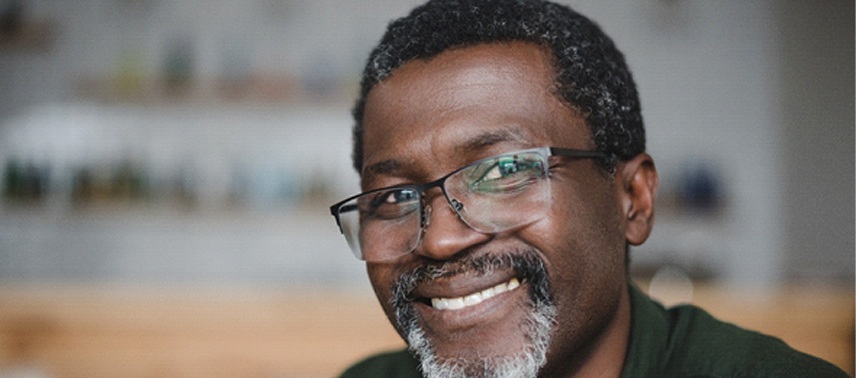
x=432, y=117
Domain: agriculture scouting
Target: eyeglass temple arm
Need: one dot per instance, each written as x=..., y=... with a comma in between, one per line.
x=572, y=153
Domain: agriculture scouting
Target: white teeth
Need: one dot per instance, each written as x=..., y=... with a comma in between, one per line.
x=455, y=304
x=475, y=298
x=439, y=303
x=501, y=288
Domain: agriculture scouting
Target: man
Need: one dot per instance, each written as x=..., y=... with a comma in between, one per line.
x=502, y=160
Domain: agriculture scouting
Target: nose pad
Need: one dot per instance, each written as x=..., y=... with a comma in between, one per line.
x=426, y=217
x=457, y=206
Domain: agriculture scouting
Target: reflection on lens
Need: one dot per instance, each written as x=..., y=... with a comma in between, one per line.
x=501, y=193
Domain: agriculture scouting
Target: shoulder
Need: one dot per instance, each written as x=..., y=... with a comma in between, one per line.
x=391, y=364
x=702, y=346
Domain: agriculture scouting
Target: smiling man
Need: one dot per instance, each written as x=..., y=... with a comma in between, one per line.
x=502, y=160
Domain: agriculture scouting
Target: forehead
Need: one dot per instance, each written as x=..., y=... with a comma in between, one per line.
x=465, y=104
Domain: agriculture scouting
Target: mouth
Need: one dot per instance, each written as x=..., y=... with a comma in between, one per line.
x=472, y=299
x=471, y=307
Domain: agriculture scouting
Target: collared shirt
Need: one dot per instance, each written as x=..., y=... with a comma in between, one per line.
x=683, y=341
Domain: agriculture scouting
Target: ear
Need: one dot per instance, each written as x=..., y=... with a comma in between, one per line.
x=637, y=191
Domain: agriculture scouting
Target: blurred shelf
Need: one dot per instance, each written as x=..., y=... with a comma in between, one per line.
x=253, y=88
x=289, y=248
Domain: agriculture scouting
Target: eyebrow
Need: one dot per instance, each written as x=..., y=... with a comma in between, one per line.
x=383, y=167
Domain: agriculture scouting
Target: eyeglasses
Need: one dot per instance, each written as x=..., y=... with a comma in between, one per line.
x=490, y=195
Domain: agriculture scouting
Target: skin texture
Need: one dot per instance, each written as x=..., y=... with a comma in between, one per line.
x=431, y=117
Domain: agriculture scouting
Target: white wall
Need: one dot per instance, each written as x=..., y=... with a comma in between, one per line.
x=816, y=112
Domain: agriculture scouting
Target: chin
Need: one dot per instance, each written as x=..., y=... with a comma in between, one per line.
x=519, y=355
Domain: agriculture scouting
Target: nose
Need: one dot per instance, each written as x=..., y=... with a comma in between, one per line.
x=445, y=234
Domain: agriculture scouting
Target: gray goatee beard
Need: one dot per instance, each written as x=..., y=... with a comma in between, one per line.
x=537, y=325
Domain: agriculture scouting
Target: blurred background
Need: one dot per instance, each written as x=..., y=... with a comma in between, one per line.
x=166, y=168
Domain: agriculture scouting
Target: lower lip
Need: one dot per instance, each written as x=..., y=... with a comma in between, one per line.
x=471, y=318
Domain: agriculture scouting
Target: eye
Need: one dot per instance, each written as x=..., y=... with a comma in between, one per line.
x=390, y=204
x=399, y=196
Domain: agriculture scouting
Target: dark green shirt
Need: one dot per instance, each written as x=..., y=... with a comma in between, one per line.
x=684, y=341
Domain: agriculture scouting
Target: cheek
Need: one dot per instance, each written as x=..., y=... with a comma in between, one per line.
x=582, y=240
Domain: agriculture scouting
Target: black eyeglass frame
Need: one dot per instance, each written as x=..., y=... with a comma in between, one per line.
x=337, y=209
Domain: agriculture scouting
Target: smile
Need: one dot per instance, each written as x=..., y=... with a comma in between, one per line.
x=473, y=299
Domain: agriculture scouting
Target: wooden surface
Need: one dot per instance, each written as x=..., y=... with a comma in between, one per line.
x=150, y=332
x=143, y=333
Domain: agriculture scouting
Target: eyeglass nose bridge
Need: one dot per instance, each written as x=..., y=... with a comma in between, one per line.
x=427, y=209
